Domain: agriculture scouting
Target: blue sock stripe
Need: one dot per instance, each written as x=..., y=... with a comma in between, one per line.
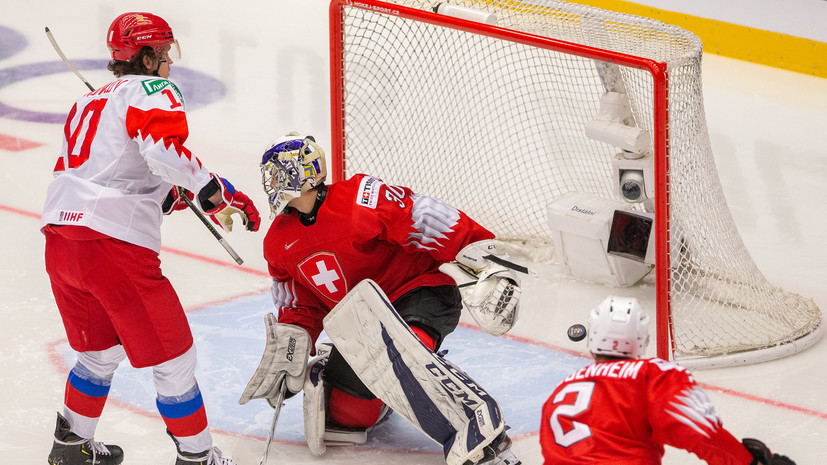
x=90, y=387
x=179, y=409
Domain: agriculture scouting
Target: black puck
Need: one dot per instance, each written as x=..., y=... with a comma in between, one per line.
x=576, y=332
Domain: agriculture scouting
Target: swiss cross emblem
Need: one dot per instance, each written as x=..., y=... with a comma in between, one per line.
x=322, y=271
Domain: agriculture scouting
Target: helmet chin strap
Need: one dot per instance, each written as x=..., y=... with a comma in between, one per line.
x=160, y=61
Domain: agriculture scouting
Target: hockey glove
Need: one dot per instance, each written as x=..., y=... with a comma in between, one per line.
x=235, y=202
x=285, y=357
x=762, y=455
x=495, y=299
x=174, y=202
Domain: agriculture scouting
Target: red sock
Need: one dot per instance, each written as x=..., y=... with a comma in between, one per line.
x=353, y=412
x=423, y=336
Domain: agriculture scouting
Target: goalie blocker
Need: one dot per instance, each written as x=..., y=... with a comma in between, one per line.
x=285, y=357
x=434, y=395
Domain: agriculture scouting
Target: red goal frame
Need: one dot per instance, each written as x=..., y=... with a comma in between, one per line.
x=658, y=70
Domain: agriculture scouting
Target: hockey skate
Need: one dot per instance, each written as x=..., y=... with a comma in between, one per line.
x=498, y=453
x=208, y=457
x=71, y=449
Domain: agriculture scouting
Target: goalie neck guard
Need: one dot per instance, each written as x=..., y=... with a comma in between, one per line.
x=290, y=166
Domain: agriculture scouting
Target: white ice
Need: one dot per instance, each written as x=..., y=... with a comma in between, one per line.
x=768, y=135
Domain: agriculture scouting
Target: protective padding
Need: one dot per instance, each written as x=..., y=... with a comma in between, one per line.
x=427, y=390
x=285, y=355
x=314, y=403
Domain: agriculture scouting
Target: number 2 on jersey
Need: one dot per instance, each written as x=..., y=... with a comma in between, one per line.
x=580, y=431
x=82, y=133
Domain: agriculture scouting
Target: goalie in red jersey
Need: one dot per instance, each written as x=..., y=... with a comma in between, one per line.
x=622, y=409
x=325, y=241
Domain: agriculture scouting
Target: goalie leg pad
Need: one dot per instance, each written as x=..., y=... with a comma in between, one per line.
x=285, y=355
x=427, y=390
x=316, y=391
x=315, y=402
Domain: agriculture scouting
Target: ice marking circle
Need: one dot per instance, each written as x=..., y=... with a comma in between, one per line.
x=204, y=89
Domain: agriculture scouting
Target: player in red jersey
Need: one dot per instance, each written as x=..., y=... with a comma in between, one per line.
x=622, y=409
x=327, y=239
x=123, y=153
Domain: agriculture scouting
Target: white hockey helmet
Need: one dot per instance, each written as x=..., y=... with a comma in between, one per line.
x=291, y=165
x=618, y=327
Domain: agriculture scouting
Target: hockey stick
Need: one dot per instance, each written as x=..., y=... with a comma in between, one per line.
x=279, y=401
x=465, y=276
x=508, y=264
x=212, y=229
x=66, y=60
x=214, y=232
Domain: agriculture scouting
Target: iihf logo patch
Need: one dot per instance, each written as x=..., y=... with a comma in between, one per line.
x=70, y=217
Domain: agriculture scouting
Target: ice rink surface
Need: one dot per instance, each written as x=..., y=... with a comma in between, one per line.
x=256, y=70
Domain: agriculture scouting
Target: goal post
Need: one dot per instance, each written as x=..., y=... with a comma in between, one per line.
x=422, y=90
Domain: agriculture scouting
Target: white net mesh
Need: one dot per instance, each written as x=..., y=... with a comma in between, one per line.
x=496, y=128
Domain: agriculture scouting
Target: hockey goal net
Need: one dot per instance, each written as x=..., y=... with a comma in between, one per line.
x=505, y=90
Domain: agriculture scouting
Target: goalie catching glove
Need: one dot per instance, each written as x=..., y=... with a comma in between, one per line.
x=495, y=298
x=285, y=358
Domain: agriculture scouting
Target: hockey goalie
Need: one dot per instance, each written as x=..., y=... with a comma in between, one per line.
x=360, y=260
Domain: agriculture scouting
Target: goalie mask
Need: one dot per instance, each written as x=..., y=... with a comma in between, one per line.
x=618, y=327
x=292, y=165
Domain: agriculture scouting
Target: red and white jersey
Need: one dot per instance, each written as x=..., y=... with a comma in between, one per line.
x=363, y=229
x=622, y=412
x=123, y=150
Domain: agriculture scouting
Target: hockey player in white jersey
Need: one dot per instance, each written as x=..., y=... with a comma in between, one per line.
x=123, y=154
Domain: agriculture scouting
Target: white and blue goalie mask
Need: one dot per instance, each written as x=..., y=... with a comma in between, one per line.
x=292, y=164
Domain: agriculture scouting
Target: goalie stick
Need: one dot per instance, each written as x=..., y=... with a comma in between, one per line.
x=279, y=401
x=508, y=264
x=461, y=272
x=210, y=227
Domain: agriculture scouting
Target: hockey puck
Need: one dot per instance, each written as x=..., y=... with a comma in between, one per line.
x=576, y=332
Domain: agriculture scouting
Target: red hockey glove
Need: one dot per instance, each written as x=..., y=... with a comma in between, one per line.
x=235, y=202
x=174, y=202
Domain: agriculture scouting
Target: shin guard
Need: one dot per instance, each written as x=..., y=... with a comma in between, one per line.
x=427, y=390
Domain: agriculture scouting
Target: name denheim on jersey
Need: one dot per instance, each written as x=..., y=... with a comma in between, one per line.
x=624, y=369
